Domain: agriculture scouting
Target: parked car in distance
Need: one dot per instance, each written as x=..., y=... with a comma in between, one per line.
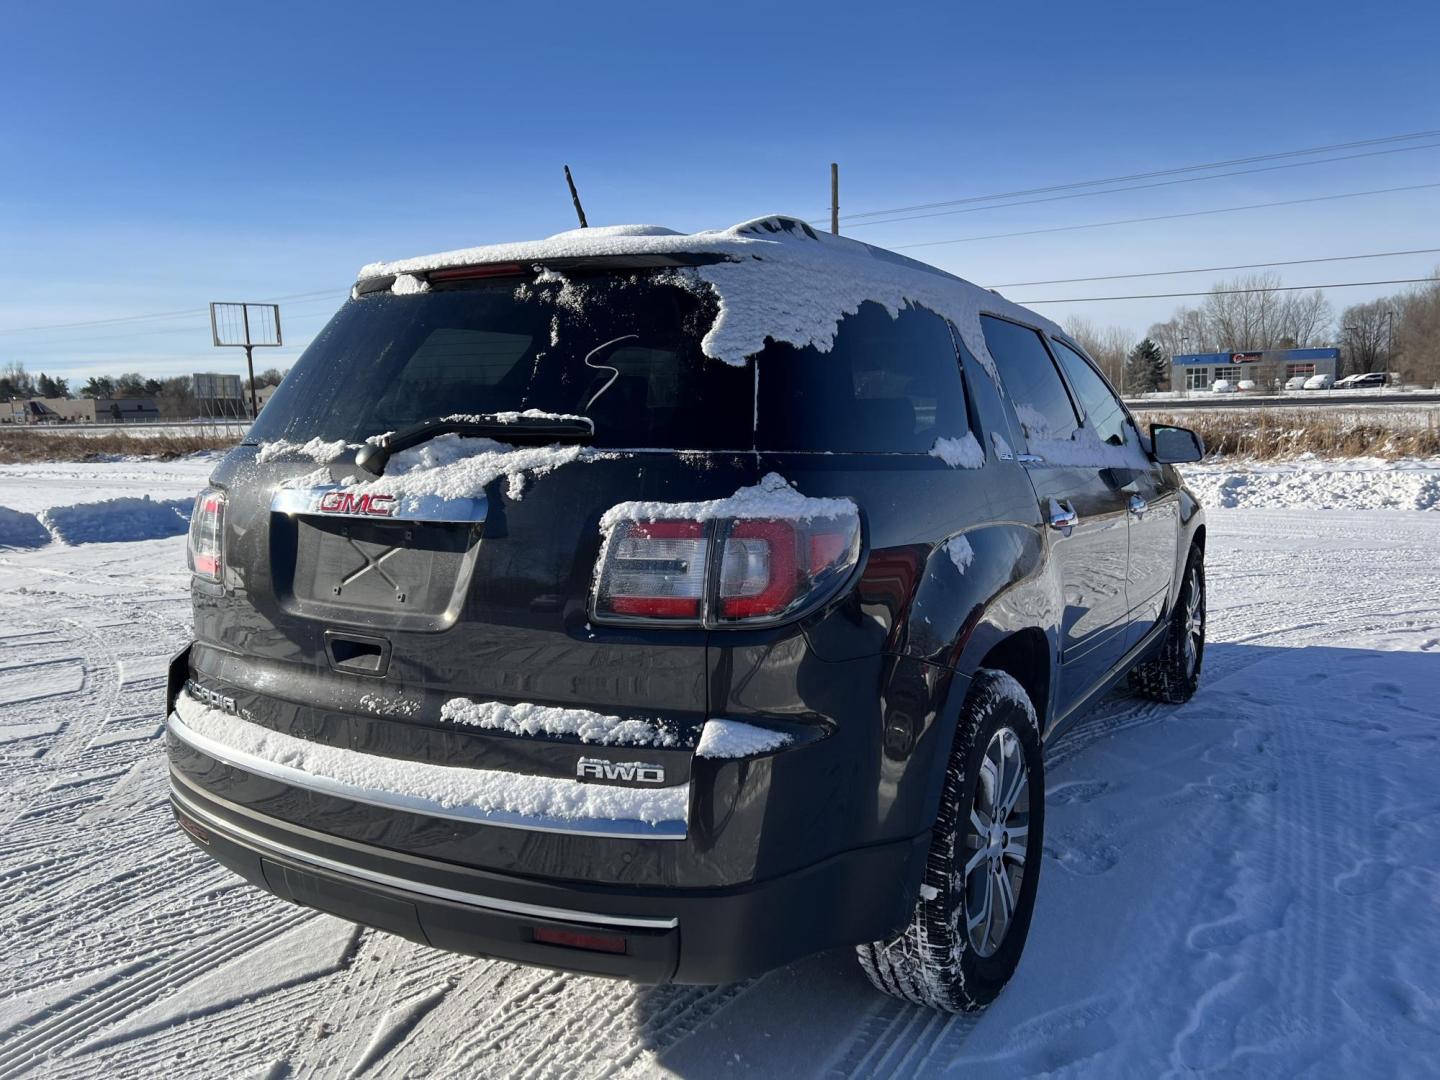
x=1245, y=385
x=1296, y=382
x=1365, y=381
x=547, y=615
x=1222, y=386
x=1319, y=382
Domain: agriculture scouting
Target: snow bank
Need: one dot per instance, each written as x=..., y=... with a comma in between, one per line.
x=735, y=739
x=427, y=788
x=117, y=520
x=772, y=498
x=1317, y=484
x=21, y=530
x=529, y=719
x=961, y=453
x=778, y=278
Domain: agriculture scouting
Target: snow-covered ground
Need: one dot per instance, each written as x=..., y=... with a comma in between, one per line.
x=1246, y=885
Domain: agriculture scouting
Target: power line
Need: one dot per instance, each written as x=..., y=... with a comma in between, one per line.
x=1148, y=175
x=1142, y=187
x=1213, y=269
x=1168, y=217
x=1226, y=292
x=205, y=312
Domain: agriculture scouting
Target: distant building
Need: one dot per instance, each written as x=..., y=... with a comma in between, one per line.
x=1269, y=369
x=263, y=393
x=83, y=411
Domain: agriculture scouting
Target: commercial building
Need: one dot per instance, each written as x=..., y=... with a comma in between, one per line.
x=1269, y=369
x=81, y=410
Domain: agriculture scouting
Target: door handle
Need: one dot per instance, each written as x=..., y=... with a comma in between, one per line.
x=1063, y=517
x=1137, y=505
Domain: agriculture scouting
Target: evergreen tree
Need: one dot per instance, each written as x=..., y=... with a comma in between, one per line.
x=98, y=386
x=1146, y=369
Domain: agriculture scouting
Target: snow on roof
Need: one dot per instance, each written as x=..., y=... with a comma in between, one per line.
x=776, y=277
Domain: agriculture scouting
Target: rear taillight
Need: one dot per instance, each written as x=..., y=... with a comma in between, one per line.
x=207, y=531
x=724, y=571
x=655, y=569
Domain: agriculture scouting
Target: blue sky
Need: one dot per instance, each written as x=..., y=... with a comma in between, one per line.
x=156, y=156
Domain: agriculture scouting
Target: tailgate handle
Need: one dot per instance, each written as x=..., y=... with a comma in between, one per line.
x=356, y=654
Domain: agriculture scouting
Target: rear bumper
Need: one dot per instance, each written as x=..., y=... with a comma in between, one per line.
x=680, y=935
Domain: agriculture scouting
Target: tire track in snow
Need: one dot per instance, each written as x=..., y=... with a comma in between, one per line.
x=97, y=1010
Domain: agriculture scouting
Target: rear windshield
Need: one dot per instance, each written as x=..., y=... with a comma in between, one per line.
x=386, y=361
x=624, y=350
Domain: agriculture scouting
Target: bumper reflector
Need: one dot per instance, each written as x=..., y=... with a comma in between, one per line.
x=575, y=939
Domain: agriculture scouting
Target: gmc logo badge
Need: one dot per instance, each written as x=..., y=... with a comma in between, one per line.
x=633, y=772
x=346, y=502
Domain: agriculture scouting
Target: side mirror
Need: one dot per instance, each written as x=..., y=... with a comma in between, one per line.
x=1175, y=445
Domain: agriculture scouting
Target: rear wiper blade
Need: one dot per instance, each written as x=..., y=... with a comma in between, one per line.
x=526, y=429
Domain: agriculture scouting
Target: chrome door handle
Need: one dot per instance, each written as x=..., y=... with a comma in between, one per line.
x=1063, y=517
x=1137, y=505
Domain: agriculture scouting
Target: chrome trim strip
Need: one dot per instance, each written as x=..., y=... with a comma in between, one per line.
x=414, y=804
x=397, y=507
x=489, y=903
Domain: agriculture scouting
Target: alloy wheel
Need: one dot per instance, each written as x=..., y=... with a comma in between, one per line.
x=1194, y=620
x=996, y=844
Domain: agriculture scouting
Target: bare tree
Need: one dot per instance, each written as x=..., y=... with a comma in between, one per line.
x=1305, y=320
x=1108, y=346
x=1365, y=331
x=1417, y=333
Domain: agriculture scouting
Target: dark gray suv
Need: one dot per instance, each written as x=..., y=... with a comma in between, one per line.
x=674, y=606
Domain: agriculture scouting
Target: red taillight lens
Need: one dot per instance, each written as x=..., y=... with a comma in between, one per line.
x=577, y=939
x=759, y=571
x=654, y=570
x=207, y=531
x=768, y=569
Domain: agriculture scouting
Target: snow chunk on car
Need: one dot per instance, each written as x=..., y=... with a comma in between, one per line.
x=434, y=789
x=771, y=499
x=317, y=450
x=450, y=467
x=774, y=277
x=528, y=719
x=736, y=739
x=961, y=453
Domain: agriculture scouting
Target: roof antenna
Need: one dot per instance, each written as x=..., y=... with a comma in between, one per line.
x=575, y=197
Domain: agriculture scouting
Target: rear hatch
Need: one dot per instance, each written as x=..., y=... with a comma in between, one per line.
x=464, y=572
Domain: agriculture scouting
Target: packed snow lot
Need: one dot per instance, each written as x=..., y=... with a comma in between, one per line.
x=1245, y=885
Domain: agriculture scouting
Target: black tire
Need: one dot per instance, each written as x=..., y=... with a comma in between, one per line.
x=935, y=960
x=1173, y=674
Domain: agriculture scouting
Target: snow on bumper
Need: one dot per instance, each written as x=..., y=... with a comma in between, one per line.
x=489, y=796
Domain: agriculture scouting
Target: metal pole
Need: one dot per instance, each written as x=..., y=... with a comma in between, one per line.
x=250, y=360
x=250, y=363
x=835, y=198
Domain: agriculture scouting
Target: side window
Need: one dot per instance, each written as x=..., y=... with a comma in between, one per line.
x=1103, y=413
x=889, y=385
x=1041, y=403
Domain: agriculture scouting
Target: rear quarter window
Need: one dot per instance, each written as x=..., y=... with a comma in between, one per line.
x=888, y=385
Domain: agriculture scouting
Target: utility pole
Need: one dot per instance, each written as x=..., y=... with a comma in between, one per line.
x=835, y=198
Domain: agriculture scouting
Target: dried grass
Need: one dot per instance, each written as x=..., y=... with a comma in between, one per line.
x=21, y=445
x=1270, y=434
